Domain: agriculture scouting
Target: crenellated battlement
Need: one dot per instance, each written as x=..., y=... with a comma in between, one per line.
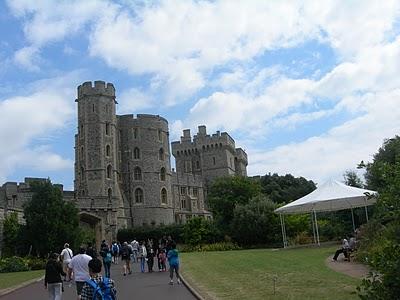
x=99, y=88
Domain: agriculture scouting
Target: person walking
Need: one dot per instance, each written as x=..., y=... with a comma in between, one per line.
x=98, y=287
x=105, y=253
x=162, y=261
x=115, y=252
x=135, y=249
x=79, y=267
x=126, y=252
x=150, y=256
x=52, y=277
x=66, y=256
x=142, y=255
x=173, y=260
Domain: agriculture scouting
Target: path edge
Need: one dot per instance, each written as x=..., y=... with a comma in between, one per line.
x=191, y=288
x=9, y=290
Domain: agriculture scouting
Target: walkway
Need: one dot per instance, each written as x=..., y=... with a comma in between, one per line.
x=352, y=268
x=135, y=286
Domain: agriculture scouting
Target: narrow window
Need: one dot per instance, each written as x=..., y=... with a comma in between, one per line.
x=107, y=128
x=195, y=192
x=93, y=107
x=109, y=193
x=161, y=154
x=108, y=150
x=164, y=199
x=183, y=203
x=109, y=171
x=136, y=153
x=135, y=133
x=139, y=195
x=137, y=173
x=197, y=164
x=82, y=153
x=162, y=174
x=183, y=190
x=159, y=135
x=214, y=161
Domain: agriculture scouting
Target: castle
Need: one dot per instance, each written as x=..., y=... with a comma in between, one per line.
x=123, y=175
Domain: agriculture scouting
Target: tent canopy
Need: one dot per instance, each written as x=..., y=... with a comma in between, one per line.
x=330, y=196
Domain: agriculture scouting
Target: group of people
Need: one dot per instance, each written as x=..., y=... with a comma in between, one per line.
x=85, y=267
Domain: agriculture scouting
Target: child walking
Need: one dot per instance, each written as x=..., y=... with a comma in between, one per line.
x=173, y=260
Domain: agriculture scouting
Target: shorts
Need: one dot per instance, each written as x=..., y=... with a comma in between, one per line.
x=79, y=287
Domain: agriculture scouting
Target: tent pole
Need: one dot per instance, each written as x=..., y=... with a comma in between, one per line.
x=313, y=228
x=366, y=209
x=316, y=227
x=352, y=218
x=283, y=235
x=284, y=231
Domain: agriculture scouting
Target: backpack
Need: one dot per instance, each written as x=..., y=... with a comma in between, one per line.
x=108, y=258
x=115, y=249
x=102, y=290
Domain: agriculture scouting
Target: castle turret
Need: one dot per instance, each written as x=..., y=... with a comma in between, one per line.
x=96, y=156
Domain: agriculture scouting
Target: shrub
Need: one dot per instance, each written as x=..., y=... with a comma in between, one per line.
x=201, y=231
x=13, y=264
x=35, y=263
x=154, y=232
x=222, y=246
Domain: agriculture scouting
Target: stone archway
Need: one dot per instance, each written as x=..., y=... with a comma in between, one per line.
x=92, y=222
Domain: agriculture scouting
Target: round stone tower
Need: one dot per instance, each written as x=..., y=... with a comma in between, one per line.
x=96, y=161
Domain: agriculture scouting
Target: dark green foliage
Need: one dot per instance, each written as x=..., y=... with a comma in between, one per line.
x=36, y=263
x=380, y=243
x=10, y=231
x=221, y=246
x=351, y=179
x=255, y=222
x=389, y=153
x=154, y=232
x=227, y=192
x=199, y=231
x=50, y=221
x=285, y=189
x=13, y=264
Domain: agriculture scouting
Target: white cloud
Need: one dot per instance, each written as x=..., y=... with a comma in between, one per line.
x=132, y=100
x=28, y=58
x=43, y=108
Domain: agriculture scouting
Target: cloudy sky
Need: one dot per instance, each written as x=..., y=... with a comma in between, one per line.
x=309, y=88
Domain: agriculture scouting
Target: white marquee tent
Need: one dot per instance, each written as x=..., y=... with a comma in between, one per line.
x=330, y=196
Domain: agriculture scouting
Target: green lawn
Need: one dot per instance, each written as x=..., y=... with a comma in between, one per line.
x=249, y=274
x=12, y=279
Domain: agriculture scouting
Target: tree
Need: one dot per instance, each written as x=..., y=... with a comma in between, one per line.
x=255, y=222
x=227, y=192
x=200, y=231
x=11, y=229
x=50, y=221
x=351, y=178
x=388, y=154
x=285, y=189
x=381, y=240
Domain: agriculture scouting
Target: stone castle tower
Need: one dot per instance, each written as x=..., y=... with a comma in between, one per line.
x=123, y=174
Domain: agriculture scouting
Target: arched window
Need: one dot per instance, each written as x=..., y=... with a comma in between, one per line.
x=139, y=195
x=136, y=153
x=137, y=173
x=108, y=150
x=109, y=193
x=164, y=199
x=161, y=154
x=162, y=174
x=109, y=171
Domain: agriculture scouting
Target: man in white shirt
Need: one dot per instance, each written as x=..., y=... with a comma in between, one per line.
x=79, y=266
x=135, y=248
x=66, y=256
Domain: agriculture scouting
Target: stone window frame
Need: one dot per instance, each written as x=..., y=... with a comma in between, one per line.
x=137, y=173
x=109, y=171
x=195, y=192
x=136, y=153
x=108, y=128
x=109, y=194
x=163, y=174
x=108, y=150
x=183, y=190
x=161, y=154
x=164, y=196
x=135, y=133
x=139, y=194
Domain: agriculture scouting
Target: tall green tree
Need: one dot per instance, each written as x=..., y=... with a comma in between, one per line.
x=11, y=229
x=50, y=221
x=352, y=179
x=255, y=222
x=285, y=189
x=227, y=192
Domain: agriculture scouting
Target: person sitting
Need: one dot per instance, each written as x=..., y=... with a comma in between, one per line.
x=344, y=249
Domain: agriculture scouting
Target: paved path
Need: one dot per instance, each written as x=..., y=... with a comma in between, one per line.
x=352, y=269
x=135, y=286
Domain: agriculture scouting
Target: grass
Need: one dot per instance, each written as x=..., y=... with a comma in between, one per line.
x=15, y=278
x=249, y=274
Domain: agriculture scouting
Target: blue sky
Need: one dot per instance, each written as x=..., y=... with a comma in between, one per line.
x=304, y=87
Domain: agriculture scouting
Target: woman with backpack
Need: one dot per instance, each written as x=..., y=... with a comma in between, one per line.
x=105, y=253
